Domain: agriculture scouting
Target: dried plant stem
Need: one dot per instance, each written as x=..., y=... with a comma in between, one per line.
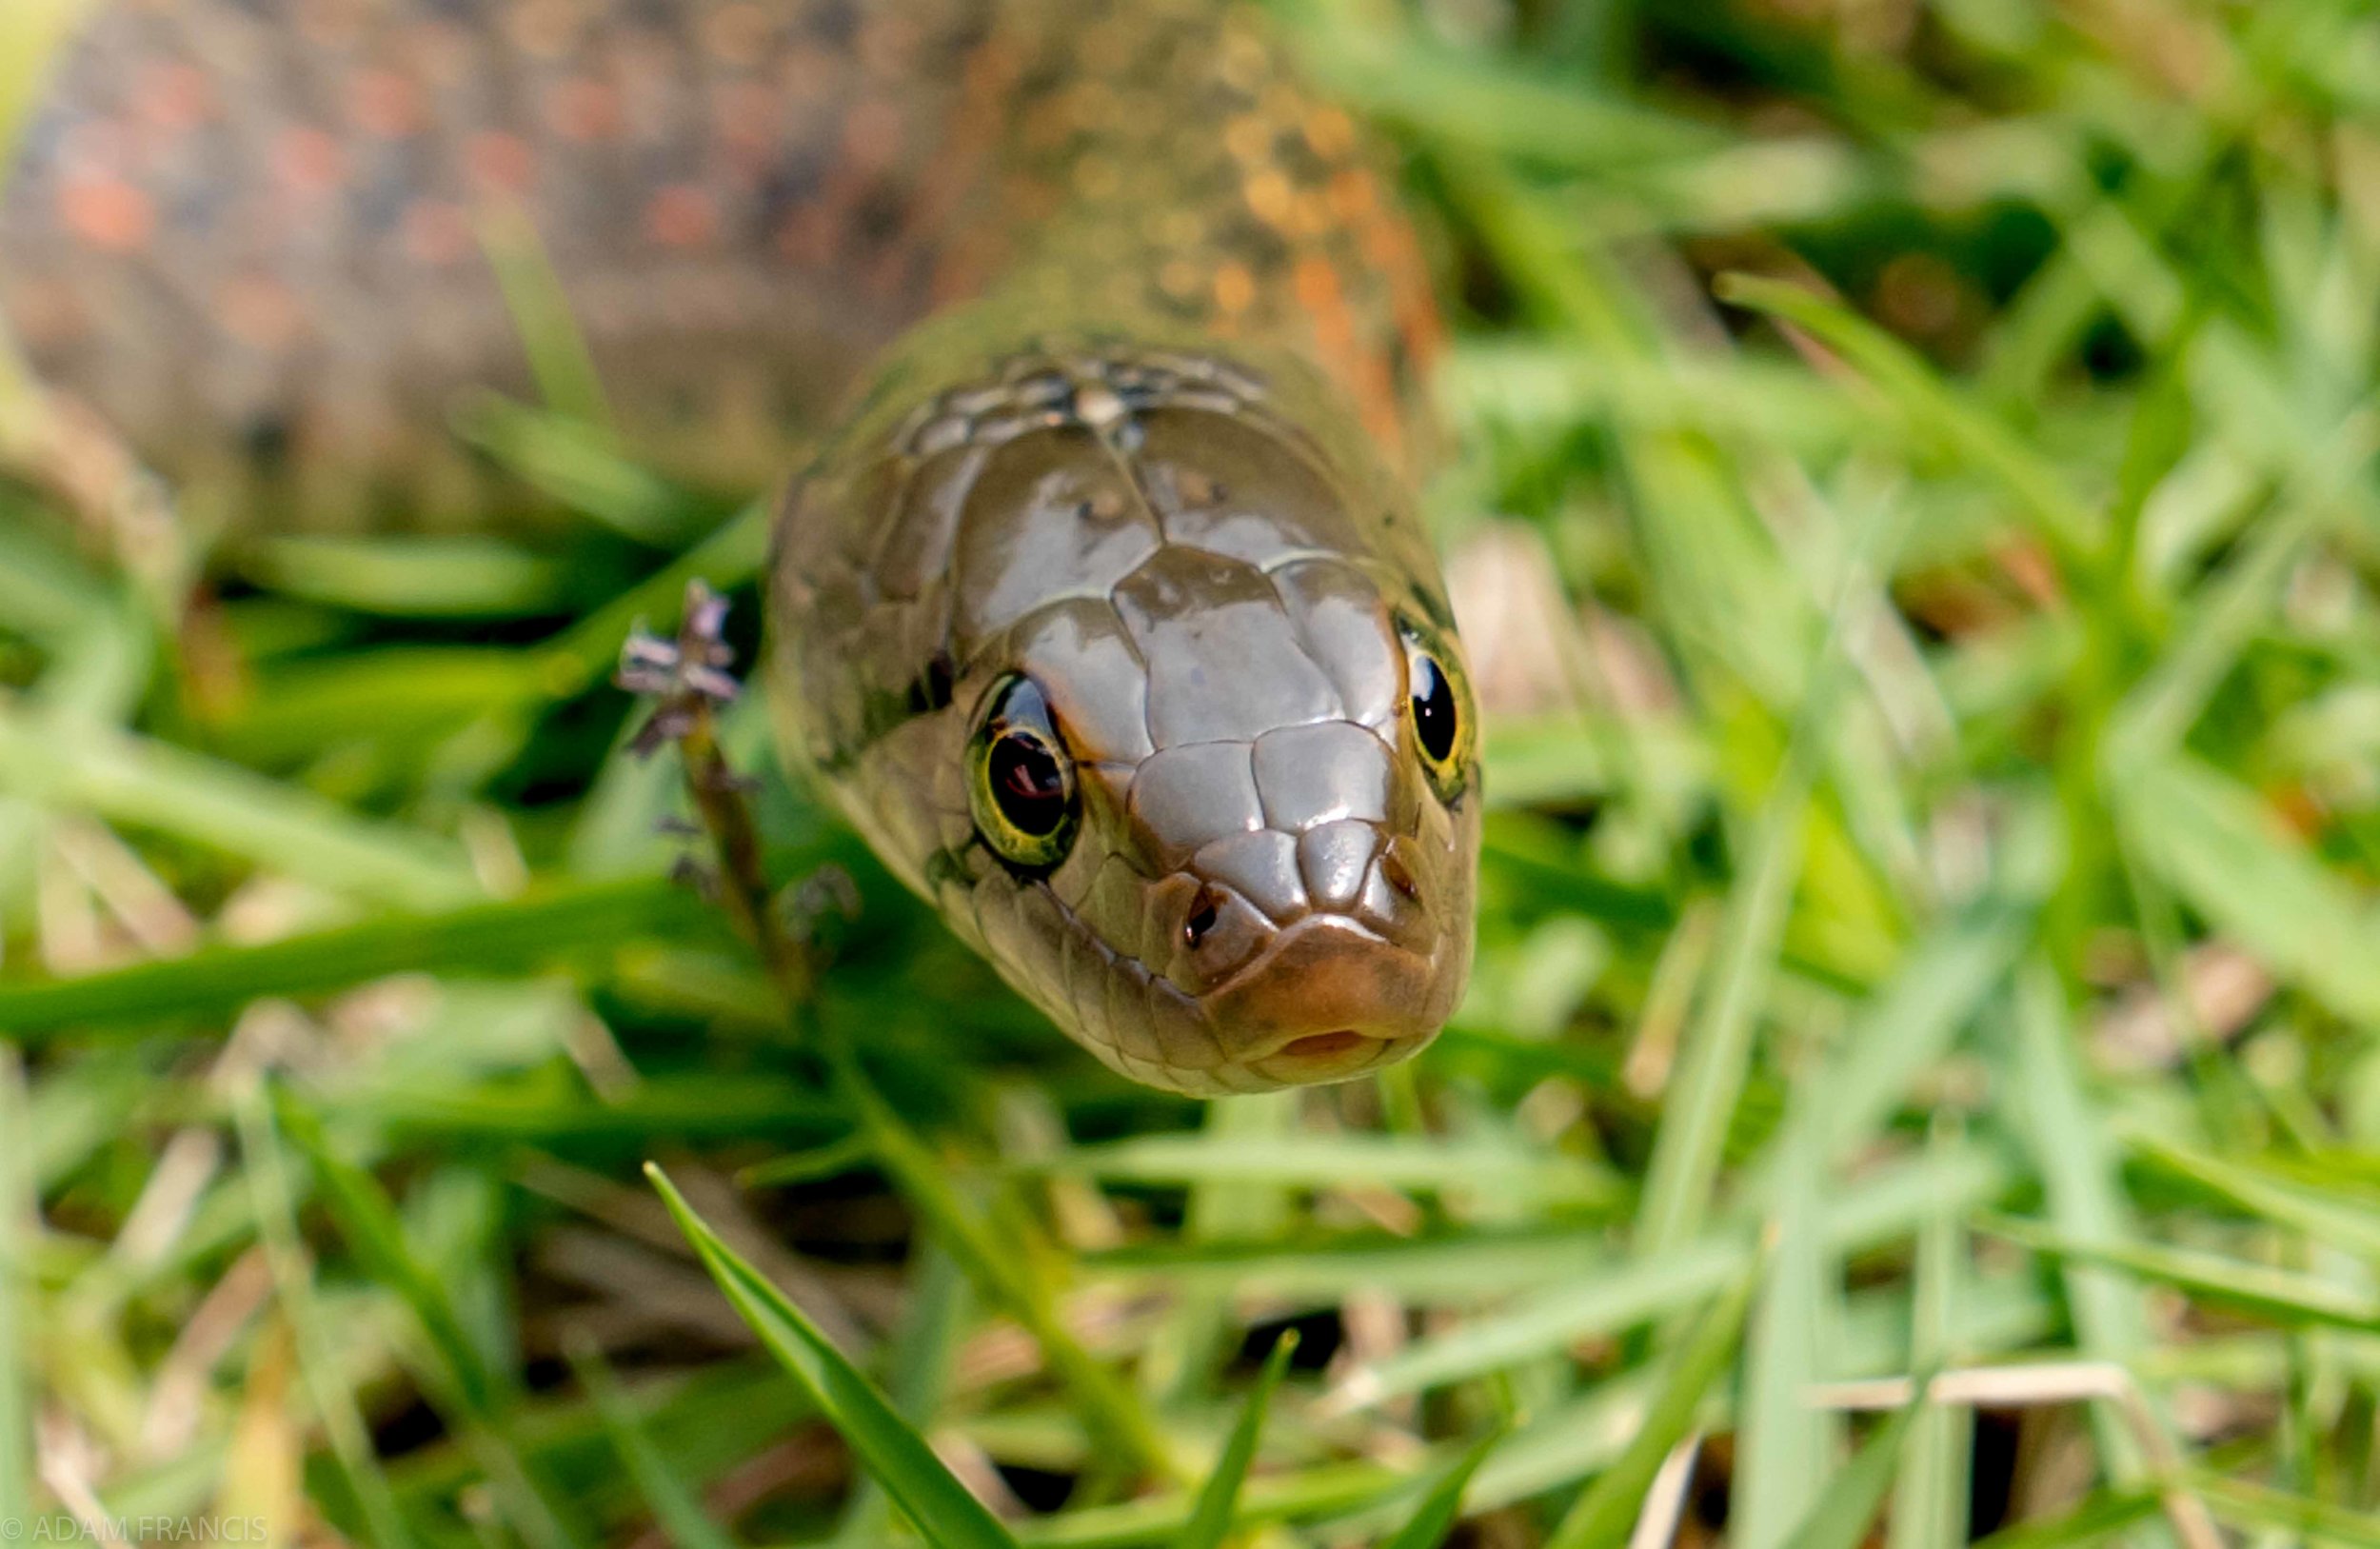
x=723, y=800
x=686, y=680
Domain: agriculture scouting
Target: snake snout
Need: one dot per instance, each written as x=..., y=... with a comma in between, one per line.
x=1328, y=1000
x=1313, y=953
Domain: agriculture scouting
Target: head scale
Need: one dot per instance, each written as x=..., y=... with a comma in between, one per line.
x=1137, y=665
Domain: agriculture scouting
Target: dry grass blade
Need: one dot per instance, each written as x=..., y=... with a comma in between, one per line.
x=2049, y=1384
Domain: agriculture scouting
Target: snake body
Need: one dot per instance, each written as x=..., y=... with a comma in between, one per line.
x=1102, y=607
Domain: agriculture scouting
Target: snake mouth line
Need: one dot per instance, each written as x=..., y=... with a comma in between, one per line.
x=1324, y=1045
x=1333, y=1055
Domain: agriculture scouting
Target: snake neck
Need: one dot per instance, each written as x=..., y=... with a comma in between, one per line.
x=1167, y=177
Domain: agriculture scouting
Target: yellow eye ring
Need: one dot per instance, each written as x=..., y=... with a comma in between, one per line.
x=1020, y=783
x=1439, y=711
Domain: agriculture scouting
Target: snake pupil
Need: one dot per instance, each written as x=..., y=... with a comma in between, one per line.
x=1433, y=713
x=1028, y=785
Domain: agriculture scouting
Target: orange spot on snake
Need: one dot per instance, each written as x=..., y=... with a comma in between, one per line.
x=871, y=137
x=1331, y=133
x=682, y=217
x=260, y=312
x=584, y=110
x=435, y=233
x=385, y=104
x=109, y=213
x=806, y=236
x=308, y=161
x=1235, y=288
x=749, y=119
x=175, y=98
x=1270, y=198
x=1353, y=196
x=1318, y=292
x=499, y=162
x=1311, y=215
x=1364, y=372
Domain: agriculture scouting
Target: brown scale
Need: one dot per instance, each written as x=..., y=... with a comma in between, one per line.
x=253, y=236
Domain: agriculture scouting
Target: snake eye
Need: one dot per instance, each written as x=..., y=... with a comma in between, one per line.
x=1439, y=701
x=1020, y=781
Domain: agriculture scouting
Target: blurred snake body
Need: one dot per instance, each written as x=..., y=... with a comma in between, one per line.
x=1098, y=602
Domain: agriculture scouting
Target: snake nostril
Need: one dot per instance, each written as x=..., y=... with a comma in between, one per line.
x=1202, y=917
x=1398, y=875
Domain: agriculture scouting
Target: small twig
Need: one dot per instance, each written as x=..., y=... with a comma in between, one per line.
x=2044, y=1383
x=688, y=678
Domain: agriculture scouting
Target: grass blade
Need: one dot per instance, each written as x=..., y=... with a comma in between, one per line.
x=2276, y=1296
x=1211, y=1523
x=1911, y=388
x=1442, y=1505
x=2080, y=1175
x=924, y=1349
x=1323, y=1162
x=1005, y=1273
x=2247, y=1504
x=573, y=461
x=367, y=1219
x=18, y=1205
x=1931, y=1504
x=894, y=1453
x=1842, y=1515
x=271, y=1194
x=2098, y=1520
x=560, y=361
x=510, y=936
x=675, y=1509
x=225, y=808
x=1717, y=1048
x=2335, y=1217
x=1783, y=1450
x=410, y=578
x=477, y=1396
x=29, y=35
x=1882, y=1208
x=1716, y=1055
x=2229, y=856
x=1909, y=1023
x=1602, y=1518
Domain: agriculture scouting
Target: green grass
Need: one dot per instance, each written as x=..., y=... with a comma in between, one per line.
x=1930, y=912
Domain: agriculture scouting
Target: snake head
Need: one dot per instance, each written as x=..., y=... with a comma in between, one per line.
x=1195, y=761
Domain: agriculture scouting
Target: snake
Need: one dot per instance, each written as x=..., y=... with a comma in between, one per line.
x=1083, y=339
